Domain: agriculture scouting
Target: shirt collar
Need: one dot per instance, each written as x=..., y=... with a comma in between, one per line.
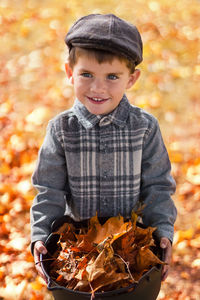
x=88, y=120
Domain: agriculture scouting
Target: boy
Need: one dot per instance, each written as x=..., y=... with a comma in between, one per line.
x=103, y=155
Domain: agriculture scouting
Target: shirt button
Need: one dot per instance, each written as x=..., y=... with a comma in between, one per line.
x=103, y=147
x=104, y=201
x=104, y=121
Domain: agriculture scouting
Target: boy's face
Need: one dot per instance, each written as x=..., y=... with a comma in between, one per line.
x=100, y=87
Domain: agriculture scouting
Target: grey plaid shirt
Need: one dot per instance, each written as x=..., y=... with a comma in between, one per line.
x=103, y=164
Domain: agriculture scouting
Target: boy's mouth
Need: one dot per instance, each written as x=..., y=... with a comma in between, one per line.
x=97, y=100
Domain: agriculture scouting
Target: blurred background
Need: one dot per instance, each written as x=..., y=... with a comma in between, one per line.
x=34, y=88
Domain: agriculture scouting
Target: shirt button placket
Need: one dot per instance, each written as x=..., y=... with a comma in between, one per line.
x=103, y=165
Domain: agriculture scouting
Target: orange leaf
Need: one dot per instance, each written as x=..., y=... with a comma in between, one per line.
x=59, y=278
x=75, y=249
x=146, y=258
x=82, y=264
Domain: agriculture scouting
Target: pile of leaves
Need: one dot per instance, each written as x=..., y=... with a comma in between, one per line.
x=103, y=257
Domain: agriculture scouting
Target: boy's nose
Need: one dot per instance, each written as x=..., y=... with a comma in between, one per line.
x=97, y=85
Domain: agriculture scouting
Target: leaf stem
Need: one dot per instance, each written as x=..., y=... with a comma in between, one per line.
x=92, y=291
x=38, y=262
x=127, y=265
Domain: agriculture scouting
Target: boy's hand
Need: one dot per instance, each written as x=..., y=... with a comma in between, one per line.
x=39, y=248
x=165, y=244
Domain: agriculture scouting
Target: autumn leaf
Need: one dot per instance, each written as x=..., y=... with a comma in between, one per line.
x=145, y=258
x=109, y=278
x=143, y=236
x=97, y=232
x=95, y=267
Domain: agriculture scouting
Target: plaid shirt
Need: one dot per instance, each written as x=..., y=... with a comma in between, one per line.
x=103, y=164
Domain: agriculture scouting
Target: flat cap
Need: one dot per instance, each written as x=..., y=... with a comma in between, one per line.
x=108, y=33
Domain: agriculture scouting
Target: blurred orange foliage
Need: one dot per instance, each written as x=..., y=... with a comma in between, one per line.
x=33, y=88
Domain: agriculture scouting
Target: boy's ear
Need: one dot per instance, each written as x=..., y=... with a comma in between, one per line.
x=133, y=78
x=69, y=73
x=68, y=70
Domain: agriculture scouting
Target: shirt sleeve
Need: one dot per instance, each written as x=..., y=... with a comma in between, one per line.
x=50, y=179
x=157, y=185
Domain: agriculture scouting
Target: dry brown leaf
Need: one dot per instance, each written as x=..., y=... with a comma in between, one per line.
x=109, y=278
x=97, y=232
x=95, y=267
x=145, y=258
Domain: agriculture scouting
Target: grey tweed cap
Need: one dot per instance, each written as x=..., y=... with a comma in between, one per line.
x=106, y=32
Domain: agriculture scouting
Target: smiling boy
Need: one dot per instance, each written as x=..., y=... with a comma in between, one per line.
x=103, y=155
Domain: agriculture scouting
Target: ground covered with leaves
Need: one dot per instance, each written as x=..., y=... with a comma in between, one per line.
x=33, y=88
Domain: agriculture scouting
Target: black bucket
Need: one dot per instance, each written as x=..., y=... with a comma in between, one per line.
x=147, y=288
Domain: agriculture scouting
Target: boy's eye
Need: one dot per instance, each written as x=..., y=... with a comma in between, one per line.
x=112, y=76
x=85, y=74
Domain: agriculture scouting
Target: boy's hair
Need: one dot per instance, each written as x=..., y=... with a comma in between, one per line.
x=100, y=55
